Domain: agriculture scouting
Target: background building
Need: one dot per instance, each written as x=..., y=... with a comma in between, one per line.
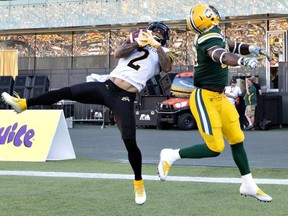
x=69, y=39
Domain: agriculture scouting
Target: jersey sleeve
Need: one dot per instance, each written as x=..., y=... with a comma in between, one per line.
x=210, y=40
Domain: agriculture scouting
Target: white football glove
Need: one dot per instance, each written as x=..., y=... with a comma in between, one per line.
x=250, y=62
x=259, y=51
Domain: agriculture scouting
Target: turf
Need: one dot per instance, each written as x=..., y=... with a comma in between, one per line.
x=22, y=195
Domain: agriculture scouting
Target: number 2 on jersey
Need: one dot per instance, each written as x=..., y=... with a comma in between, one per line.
x=133, y=63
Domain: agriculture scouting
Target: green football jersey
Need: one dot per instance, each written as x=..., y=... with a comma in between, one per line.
x=251, y=99
x=207, y=71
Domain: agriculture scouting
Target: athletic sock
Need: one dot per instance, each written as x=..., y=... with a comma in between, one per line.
x=174, y=156
x=247, y=178
x=248, y=181
x=197, y=151
x=240, y=158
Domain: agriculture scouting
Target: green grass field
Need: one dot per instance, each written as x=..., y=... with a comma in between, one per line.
x=26, y=195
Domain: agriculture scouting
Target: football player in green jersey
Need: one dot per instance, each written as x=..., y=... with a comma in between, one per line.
x=216, y=117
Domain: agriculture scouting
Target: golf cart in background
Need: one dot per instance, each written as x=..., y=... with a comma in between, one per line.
x=175, y=111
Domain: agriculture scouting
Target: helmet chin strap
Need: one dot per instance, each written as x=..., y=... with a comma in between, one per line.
x=156, y=37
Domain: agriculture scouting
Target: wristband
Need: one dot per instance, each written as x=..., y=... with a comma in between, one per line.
x=239, y=48
x=240, y=61
x=251, y=49
x=157, y=45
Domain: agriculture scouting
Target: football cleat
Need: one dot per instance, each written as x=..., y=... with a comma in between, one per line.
x=166, y=161
x=17, y=103
x=245, y=190
x=140, y=194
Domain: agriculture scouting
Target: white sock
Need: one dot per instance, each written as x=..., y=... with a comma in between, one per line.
x=248, y=180
x=175, y=155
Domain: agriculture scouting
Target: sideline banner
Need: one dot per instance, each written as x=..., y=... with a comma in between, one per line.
x=34, y=135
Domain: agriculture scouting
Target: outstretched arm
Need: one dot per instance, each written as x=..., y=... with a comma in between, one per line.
x=240, y=48
x=245, y=49
x=222, y=55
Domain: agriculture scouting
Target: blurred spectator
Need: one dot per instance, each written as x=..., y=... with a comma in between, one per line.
x=258, y=92
x=256, y=85
x=232, y=92
x=275, y=79
x=250, y=103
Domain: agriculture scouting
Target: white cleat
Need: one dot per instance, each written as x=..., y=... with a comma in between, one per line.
x=17, y=103
x=140, y=194
x=165, y=163
x=245, y=190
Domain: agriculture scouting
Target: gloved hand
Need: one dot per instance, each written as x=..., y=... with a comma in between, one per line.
x=151, y=40
x=250, y=62
x=141, y=39
x=259, y=51
x=263, y=52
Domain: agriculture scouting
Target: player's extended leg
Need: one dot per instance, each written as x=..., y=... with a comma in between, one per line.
x=235, y=136
x=92, y=92
x=204, y=106
x=122, y=106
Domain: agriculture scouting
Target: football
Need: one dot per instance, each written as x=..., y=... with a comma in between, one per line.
x=133, y=35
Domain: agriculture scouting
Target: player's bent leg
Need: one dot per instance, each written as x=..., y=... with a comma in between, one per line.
x=169, y=156
x=212, y=136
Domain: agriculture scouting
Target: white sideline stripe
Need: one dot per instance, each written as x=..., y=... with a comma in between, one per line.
x=145, y=177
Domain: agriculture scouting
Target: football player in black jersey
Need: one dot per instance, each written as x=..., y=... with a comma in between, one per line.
x=138, y=62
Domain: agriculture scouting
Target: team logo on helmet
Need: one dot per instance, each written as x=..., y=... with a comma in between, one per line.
x=208, y=13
